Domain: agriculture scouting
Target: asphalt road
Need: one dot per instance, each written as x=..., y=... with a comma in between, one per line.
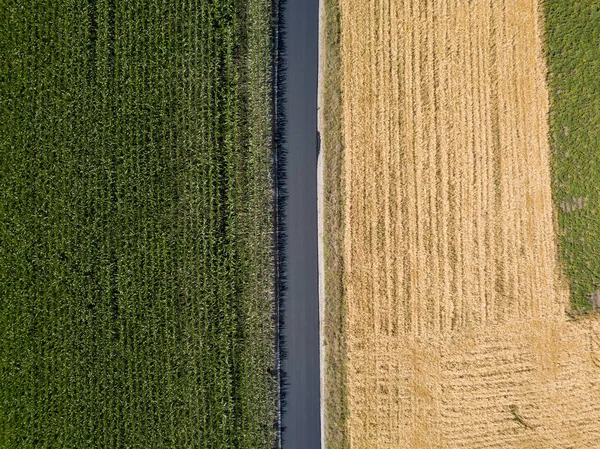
x=301, y=418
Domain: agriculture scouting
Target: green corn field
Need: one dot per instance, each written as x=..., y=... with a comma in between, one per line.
x=136, y=225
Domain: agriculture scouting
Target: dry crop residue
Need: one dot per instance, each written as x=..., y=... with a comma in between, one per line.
x=455, y=310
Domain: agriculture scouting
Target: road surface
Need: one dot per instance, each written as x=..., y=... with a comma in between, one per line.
x=301, y=418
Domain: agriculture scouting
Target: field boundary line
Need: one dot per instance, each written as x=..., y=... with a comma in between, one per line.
x=276, y=224
x=320, y=217
x=279, y=199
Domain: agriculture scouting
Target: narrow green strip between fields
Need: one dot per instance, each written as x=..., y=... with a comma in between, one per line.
x=573, y=48
x=136, y=271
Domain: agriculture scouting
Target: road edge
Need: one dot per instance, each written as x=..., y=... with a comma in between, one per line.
x=321, y=256
x=278, y=210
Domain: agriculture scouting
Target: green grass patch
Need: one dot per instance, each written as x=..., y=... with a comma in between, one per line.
x=573, y=48
x=136, y=264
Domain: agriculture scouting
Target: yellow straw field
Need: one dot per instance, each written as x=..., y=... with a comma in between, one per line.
x=456, y=331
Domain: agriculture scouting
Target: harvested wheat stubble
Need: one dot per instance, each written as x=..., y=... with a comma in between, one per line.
x=455, y=309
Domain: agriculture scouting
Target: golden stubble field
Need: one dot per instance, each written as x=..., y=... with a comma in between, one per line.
x=456, y=331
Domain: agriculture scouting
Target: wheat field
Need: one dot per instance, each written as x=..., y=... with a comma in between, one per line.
x=456, y=331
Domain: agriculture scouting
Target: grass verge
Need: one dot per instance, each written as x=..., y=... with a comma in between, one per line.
x=333, y=226
x=136, y=225
x=573, y=50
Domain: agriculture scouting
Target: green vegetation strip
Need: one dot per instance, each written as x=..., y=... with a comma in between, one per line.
x=136, y=274
x=573, y=47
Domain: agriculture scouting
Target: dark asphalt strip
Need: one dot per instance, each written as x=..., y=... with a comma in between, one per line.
x=301, y=417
